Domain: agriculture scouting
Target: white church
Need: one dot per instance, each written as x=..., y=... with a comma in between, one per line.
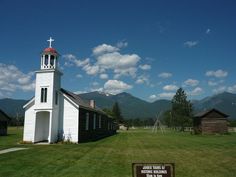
x=55, y=114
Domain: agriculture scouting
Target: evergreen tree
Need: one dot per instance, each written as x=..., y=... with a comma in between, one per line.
x=117, y=113
x=108, y=112
x=181, y=110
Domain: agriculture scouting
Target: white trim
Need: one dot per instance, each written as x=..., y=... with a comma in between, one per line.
x=30, y=101
x=63, y=94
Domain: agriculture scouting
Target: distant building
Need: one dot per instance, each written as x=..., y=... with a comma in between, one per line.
x=56, y=114
x=210, y=122
x=3, y=123
x=123, y=127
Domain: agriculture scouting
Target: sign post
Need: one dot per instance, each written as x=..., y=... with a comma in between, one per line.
x=153, y=170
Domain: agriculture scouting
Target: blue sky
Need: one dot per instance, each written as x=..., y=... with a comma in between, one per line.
x=147, y=48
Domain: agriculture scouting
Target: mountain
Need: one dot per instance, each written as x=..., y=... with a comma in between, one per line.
x=225, y=102
x=13, y=107
x=133, y=107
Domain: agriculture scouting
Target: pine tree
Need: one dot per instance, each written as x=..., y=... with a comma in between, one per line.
x=181, y=110
x=117, y=113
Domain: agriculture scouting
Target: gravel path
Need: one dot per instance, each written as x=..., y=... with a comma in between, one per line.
x=11, y=150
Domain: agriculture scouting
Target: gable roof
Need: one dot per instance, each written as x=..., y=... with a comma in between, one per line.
x=30, y=101
x=204, y=113
x=4, y=116
x=81, y=102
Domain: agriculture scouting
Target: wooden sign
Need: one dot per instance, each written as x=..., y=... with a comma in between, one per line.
x=153, y=170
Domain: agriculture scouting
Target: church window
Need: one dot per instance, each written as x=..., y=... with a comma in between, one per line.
x=44, y=95
x=100, y=121
x=94, y=121
x=56, y=97
x=87, y=122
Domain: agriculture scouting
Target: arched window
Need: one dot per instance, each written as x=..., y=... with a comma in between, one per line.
x=44, y=95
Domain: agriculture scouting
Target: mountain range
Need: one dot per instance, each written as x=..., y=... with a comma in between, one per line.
x=133, y=107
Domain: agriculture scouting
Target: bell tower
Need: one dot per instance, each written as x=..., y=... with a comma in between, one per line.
x=47, y=89
x=49, y=57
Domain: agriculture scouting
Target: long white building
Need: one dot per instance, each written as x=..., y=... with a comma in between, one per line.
x=56, y=114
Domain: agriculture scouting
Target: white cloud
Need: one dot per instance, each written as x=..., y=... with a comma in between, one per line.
x=79, y=76
x=165, y=75
x=103, y=76
x=125, y=72
x=196, y=91
x=91, y=70
x=116, y=86
x=191, y=82
x=122, y=44
x=191, y=44
x=219, y=89
x=212, y=83
x=208, y=31
x=120, y=64
x=72, y=60
x=107, y=57
x=232, y=89
x=170, y=88
x=104, y=48
x=145, y=67
x=218, y=73
x=12, y=79
x=100, y=89
x=27, y=87
x=80, y=92
x=116, y=60
x=166, y=95
x=152, y=97
x=142, y=79
x=215, y=83
x=94, y=83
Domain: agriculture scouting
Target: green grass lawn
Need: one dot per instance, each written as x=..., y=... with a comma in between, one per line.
x=194, y=156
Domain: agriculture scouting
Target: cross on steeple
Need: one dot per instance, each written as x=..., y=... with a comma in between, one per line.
x=50, y=42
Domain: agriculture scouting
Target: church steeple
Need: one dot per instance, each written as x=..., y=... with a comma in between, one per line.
x=49, y=57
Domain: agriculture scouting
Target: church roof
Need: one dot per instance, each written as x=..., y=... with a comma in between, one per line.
x=50, y=50
x=81, y=102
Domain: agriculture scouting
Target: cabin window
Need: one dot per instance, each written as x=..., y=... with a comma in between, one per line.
x=44, y=95
x=94, y=121
x=87, y=122
x=100, y=121
x=56, y=97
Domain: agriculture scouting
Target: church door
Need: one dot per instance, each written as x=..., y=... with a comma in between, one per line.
x=42, y=126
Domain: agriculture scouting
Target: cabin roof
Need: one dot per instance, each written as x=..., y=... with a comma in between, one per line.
x=204, y=113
